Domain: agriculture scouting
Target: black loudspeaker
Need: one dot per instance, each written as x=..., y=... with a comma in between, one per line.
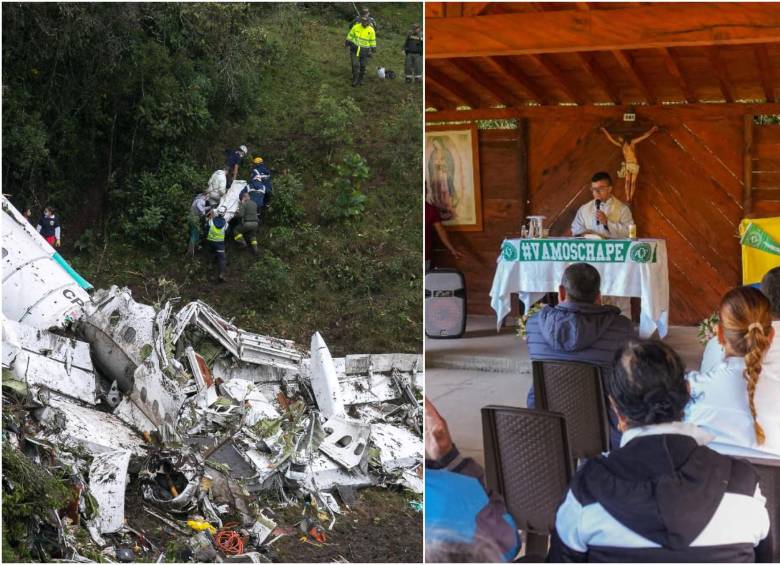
x=445, y=304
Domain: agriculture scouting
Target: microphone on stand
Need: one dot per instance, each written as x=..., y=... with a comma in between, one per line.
x=598, y=207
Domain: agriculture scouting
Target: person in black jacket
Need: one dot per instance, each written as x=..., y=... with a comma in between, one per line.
x=413, y=48
x=663, y=496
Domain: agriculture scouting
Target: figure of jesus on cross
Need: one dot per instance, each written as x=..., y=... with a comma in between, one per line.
x=630, y=168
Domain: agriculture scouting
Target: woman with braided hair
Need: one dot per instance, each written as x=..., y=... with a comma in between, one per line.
x=663, y=495
x=725, y=399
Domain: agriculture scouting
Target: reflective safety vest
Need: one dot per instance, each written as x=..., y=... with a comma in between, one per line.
x=215, y=233
x=362, y=36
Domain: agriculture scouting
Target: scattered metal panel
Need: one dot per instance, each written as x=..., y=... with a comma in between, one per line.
x=107, y=483
x=324, y=381
x=257, y=405
x=124, y=346
x=324, y=474
x=158, y=397
x=263, y=350
x=411, y=480
x=39, y=288
x=96, y=432
x=171, y=480
x=330, y=502
x=367, y=389
x=121, y=333
x=398, y=447
x=161, y=322
x=246, y=346
x=261, y=529
x=345, y=441
x=262, y=464
x=382, y=363
x=205, y=318
x=131, y=415
x=203, y=377
x=41, y=358
x=249, y=557
x=227, y=370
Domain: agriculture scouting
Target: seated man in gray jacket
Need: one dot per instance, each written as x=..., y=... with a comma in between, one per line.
x=579, y=328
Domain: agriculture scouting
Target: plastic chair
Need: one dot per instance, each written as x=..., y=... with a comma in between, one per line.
x=527, y=460
x=576, y=391
x=768, y=551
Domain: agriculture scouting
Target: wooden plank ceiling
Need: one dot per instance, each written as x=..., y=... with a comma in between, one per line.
x=515, y=54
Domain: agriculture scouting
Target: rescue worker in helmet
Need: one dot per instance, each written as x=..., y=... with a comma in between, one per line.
x=259, y=185
x=216, y=238
x=233, y=162
x=361, y=41
x=247, y=228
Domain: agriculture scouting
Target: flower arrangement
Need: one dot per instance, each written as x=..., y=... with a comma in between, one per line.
x=524, y=319
x=707, y=328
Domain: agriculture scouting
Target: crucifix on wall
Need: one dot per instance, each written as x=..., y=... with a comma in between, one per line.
x=629, y=170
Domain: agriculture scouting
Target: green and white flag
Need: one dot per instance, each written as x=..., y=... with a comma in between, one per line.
x=757, y=238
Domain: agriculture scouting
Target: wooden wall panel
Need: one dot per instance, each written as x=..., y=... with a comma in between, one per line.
x=766, y=171
x=501, y=207
x=690, y=194
x=690, y=191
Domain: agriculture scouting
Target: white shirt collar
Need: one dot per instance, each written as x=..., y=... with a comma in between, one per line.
x=679, y=428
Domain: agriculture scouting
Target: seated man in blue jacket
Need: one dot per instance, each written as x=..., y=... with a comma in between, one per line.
x=579, y=328
x=463, y=522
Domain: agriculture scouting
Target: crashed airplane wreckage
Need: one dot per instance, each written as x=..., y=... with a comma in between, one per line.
x=209, y=422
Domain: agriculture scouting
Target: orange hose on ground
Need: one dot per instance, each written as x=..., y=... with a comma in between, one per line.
x=229, y=541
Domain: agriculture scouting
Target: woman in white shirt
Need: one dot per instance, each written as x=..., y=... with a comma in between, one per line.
x=724, y=399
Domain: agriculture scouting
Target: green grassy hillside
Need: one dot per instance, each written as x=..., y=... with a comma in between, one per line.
x=129, y=114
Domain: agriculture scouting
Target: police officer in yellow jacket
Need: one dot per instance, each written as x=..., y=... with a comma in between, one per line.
x=361, y=41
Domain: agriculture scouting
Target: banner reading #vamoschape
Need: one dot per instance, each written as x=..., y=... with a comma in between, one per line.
x=579, y=250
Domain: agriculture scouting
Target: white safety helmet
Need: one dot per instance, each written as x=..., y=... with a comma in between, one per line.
x=221, y=211
x=244, y=149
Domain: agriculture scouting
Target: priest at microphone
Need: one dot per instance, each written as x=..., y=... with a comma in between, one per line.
x=605, y=215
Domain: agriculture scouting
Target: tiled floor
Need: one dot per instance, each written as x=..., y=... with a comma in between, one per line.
x=483, y=367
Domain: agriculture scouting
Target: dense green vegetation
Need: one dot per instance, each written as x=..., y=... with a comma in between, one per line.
x=117, y=117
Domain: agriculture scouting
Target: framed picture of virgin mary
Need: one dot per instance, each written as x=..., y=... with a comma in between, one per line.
x=452, y=175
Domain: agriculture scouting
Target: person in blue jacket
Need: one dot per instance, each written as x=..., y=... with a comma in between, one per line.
x=580, y=328
x=259, y=186
x=233, y=161
x=463, y=522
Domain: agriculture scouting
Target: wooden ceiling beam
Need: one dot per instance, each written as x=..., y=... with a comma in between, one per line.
x=563, y=81
x=455, y=90
x=765, y=72
x=453, y=9
x=674, y=69
x=696, y=111
x=474, y=8
x=437, y=94
x=720, y=73
x=434, y=10
x=504, y=95
x=628, y=65
x=513, y=74
x=598, y=76
x=667, y=24
x=438, y=101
